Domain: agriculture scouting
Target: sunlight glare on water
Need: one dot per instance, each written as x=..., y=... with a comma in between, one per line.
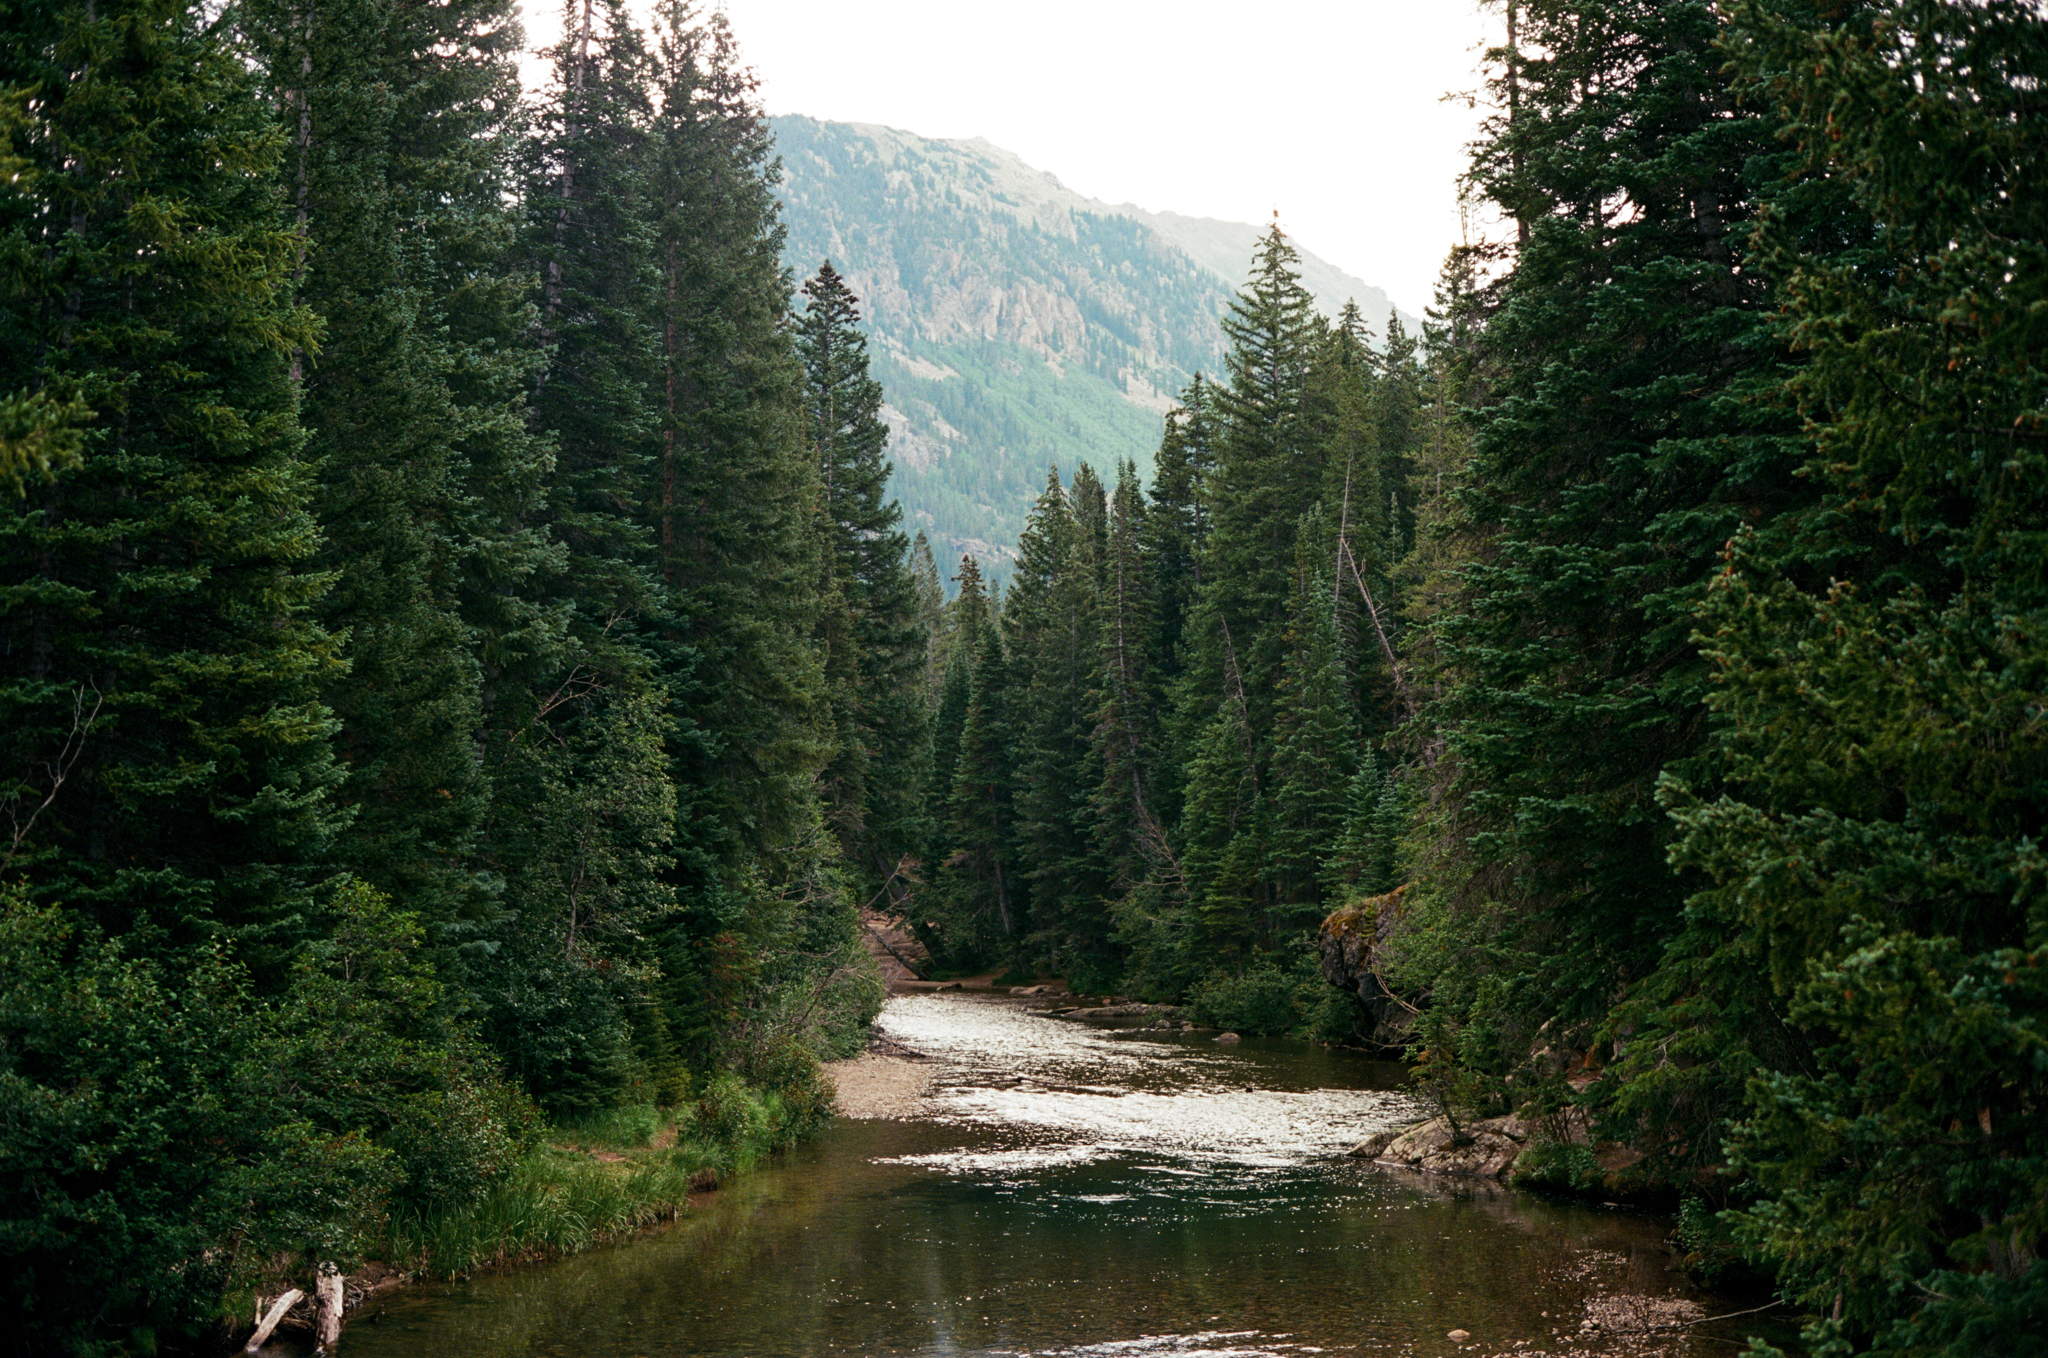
x=1074, y=1189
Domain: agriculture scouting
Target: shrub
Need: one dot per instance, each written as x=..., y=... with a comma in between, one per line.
x=1260, y=1001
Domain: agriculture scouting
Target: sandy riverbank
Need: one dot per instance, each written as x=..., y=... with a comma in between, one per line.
x=872, y=1085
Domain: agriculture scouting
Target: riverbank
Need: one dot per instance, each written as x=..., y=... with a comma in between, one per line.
x=877, y=1085
x=579, y=1187
x=1003, y=1180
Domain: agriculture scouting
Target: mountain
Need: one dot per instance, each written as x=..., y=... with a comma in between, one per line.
x=1014, y=324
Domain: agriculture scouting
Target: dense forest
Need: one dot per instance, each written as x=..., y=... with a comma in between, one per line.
x=461, y=671
x=454, y=646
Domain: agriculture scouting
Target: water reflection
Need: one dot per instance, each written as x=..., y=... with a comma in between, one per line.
x=1084, y=1191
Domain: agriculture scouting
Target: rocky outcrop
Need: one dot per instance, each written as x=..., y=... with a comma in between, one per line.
x=1352, y=944
x=1486, y=1149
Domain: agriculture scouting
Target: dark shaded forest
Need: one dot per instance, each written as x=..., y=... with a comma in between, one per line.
x=461, y=673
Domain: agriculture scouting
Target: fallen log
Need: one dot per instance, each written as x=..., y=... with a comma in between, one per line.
x=267, y=1322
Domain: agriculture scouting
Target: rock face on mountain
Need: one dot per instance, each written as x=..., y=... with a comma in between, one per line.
x=1014, y=323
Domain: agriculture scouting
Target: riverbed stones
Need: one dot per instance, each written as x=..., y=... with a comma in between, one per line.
x=1106, y=1011
x=1459, y=1336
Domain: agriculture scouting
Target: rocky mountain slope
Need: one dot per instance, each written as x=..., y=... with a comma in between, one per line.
x=1014, y=323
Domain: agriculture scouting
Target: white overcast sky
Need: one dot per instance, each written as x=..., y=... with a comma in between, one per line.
x=1331, y=111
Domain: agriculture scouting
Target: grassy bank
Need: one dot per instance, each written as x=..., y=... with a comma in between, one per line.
x=602, y=1178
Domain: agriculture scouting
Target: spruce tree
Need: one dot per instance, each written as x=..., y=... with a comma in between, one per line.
x=737, y=488
x=1314, y=737
x=400, y=122
x=982, y=897
x=1268, y=466
x=1867, y=947
x=868, y=627
x=1129, y=835
x=1622, y=440
x=1051, y=636
x=165, y=752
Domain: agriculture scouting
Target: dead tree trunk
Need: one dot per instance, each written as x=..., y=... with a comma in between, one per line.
x=331, y=1297
x=269, y=1319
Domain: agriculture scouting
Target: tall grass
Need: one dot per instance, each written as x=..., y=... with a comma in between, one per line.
x=560, y=1199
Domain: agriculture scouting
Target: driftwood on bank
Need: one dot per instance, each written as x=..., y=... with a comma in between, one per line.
x=268, y=1320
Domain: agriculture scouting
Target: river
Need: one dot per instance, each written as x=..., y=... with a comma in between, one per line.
x=1074, y=1189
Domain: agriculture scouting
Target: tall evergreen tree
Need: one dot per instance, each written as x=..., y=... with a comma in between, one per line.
x=1314, y=736
x=981, y=894
x=1051, y=633
x=1130, y=837
x=1868, y=848
x=868, y=626
x=1268, y=466
x=165, y=752
x=1620, y=445
x=737, y=485
x=400, y=122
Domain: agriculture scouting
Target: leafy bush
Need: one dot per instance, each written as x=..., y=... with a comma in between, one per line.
x=1558, y=1164
x=1260, y=1001
x=730, y=1115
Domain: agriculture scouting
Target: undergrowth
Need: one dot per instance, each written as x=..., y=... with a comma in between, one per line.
x=601, y=1177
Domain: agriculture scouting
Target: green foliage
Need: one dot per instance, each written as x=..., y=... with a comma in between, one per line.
x=1570, y=1166
x=1929, y=1091
x=1260, y=1001
x=868, y=626
x=163, y=753
x=173, y=1134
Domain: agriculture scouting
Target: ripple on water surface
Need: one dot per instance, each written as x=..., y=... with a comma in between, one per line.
x=1077, y=1190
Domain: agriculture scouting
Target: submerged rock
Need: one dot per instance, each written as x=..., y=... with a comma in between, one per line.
x=1226, y=1037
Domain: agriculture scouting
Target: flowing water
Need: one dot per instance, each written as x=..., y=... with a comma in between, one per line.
x=1073, y=1189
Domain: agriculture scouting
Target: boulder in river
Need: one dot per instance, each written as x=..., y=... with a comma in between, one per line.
x=1225, y=1037
x=1487, y=1149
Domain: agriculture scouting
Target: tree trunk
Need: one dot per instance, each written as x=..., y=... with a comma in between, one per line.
x=331, y=1296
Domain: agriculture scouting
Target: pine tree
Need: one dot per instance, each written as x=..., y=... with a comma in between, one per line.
x=400, y=122
x=1314, y=737
x=1051, y=642
x=981, y=897
x=931, y=620
x=1177, y=527
x=1867, y=949
x=584, y=815
x=166, y=757
x=737, y=486
x=1268, y=466
x=1619, y=445
x=868, y=627
x=1129, y=834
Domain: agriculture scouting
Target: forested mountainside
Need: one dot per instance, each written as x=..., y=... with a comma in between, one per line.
x=1016, y=324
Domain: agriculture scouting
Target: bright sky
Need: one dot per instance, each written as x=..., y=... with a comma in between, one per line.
x=1331, y=111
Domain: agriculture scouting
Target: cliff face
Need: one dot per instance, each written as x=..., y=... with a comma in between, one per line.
x=1350, y=944
x=1014, y=323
